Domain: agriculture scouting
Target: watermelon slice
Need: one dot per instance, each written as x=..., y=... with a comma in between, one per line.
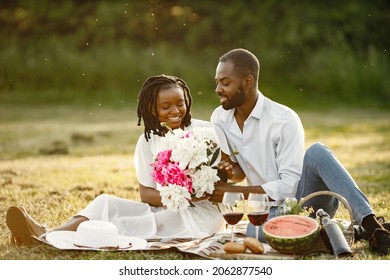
x=291, y=234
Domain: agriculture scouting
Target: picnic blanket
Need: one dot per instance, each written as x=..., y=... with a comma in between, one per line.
x=211, y=247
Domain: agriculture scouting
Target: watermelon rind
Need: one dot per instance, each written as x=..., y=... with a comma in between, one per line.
x=295, y=245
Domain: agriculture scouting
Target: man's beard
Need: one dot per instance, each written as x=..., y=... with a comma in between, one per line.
x=236, y=100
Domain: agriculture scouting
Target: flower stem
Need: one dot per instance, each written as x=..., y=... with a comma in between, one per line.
x=164, y=124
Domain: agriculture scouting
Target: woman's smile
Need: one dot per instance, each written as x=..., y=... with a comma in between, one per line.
x=174, y=122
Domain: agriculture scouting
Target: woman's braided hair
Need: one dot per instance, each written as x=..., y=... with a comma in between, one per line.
x=147, y=102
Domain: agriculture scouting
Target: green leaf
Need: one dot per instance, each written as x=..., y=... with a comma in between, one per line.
x=215, y=156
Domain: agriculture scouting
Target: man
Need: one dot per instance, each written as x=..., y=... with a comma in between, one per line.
x=266, y=139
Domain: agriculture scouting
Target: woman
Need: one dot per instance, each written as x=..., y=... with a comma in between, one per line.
x=161, y=99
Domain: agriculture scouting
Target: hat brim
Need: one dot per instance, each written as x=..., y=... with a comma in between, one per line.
x=64, y=240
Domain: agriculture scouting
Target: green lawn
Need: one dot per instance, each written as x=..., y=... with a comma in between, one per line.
x=54, y=160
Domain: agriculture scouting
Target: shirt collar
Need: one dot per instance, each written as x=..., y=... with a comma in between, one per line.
x=258, y=109
x=228, y=116
x=256, y=112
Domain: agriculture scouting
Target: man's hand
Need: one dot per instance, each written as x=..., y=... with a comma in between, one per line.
x=231, y=169
x=204, y=197
x=220, y=189
x=227, y=166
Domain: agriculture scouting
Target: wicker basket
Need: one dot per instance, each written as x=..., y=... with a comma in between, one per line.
x=319, y=246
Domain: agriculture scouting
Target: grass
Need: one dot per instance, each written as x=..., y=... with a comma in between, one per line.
x=95, y=156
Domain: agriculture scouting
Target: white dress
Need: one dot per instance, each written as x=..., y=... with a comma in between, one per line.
x=139, y=219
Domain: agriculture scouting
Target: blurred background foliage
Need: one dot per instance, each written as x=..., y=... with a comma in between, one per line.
x=313, y=53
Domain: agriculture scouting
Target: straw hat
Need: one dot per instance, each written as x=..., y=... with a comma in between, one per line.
x=94, y=235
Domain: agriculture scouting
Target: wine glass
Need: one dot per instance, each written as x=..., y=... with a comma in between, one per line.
x=233, y=209
x=258, y=210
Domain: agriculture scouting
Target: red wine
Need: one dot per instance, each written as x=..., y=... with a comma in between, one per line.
x=258, y=218
x=233, y=218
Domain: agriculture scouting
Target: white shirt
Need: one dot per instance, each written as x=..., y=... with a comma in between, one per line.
x=270, y=147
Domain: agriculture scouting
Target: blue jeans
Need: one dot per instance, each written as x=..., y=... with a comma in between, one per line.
x=323, y=172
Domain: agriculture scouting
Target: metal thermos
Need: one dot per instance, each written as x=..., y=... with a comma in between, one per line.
x=333, y=235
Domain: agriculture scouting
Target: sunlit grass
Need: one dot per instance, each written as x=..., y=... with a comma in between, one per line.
x=100, y=144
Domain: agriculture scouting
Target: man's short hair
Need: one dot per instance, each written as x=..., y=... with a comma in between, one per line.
x=244, y=62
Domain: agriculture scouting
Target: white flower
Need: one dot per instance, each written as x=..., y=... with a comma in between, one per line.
x=174, y=197
x=184, y=152
x=290, y=200
x=290, y=203
x=190, y=153
x=203, y=180
x=206, y=134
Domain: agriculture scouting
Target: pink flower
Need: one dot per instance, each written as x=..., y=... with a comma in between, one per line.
x=166, y=172
x=188, y=135
x=164, y=156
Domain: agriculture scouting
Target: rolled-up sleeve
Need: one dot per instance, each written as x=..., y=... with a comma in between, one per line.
x=289, y=152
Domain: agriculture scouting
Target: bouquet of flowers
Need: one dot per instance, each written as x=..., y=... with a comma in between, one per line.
x=183, y=167
x=291, y=206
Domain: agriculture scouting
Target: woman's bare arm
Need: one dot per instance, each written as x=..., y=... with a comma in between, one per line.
x=150, y=196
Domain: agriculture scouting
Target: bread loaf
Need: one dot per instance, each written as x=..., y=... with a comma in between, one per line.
x=254, y=245
x=234, y=248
